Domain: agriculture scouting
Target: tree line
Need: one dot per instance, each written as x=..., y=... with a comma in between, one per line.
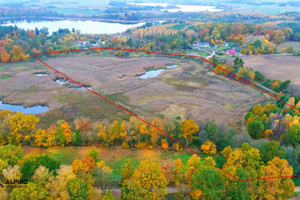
x=223, y=146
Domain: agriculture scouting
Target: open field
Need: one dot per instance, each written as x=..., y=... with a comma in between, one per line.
x=295, y=45
x=187, y=91
x=277, y=67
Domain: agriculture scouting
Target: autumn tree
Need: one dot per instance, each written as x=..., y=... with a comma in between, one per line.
x=18, y=54
x=147, y=182
x=103, y=175
x=103, y=133
x=137, y=128
x=245, y=163
x=20, y=127
x=154, y=132
x=12, y=173
x=5, y=57
x=84, y=125
x=178, y=171
x=117, y=130
x=41, y=175
x=127, y=171
x=209, y=147
x=188, y=130
x=281, y=188
x=30, y=191
x=58, y=186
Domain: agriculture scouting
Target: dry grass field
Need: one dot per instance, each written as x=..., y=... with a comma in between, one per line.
x=277, y=67
x=189, y=90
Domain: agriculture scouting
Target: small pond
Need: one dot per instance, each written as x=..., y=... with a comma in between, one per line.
x=63, y=82
x=155, y=72
x=41, y=74
x=26, y=110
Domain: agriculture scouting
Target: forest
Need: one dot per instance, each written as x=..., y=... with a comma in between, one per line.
x=214, y=142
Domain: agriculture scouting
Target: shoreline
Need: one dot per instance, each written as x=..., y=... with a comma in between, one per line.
x=10, y=19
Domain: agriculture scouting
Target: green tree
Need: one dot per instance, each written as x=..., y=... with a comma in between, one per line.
x=238, y=189
x=76, y=138
x=108, y=196
x=259, y=76
x=270, y=150
x=212, y=131
x=32, y=163
x=257, y=44
x=11, y=153
x=30, y=191
x=77, y=189
x=209, y=181
x=94, y=153
x=256, y=129
x=238, y=63
x=292, y=136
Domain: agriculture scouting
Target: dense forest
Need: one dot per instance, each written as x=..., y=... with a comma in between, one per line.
x=218, y=144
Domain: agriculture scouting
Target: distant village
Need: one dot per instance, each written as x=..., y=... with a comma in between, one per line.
x=225, y=49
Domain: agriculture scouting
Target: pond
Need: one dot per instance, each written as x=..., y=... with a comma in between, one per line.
x=26, y=110
x=91, y=27
x=63, y=82
x=180, y=8
x=41, y=74
x=155, y=72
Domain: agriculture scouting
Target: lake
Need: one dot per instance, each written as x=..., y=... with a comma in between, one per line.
x=26, y=110
x=155, y=72
x=181, y=8
x=91, y=27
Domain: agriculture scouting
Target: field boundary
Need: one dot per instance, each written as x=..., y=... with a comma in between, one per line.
x=170, y=54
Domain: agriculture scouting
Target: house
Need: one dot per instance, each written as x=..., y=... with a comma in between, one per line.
x=231, y=52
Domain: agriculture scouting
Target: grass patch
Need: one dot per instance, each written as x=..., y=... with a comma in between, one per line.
x=5, y=77
x=228, y=106
x=296, y=194
x=296, y=181
x=178, y=26
x=118, y=165
x=89, y=105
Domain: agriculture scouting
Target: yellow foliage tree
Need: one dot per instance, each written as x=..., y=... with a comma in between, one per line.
x=188, y=129
x=20, y=126
x=18, y=54
x=67, y=133
x=209, y=147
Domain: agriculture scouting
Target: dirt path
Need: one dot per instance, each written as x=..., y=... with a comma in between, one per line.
x=171, y=189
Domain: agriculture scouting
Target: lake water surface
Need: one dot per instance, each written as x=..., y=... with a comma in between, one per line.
x=91, y=27
x=155, y=72
x=25, y=110
x=181, y=8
